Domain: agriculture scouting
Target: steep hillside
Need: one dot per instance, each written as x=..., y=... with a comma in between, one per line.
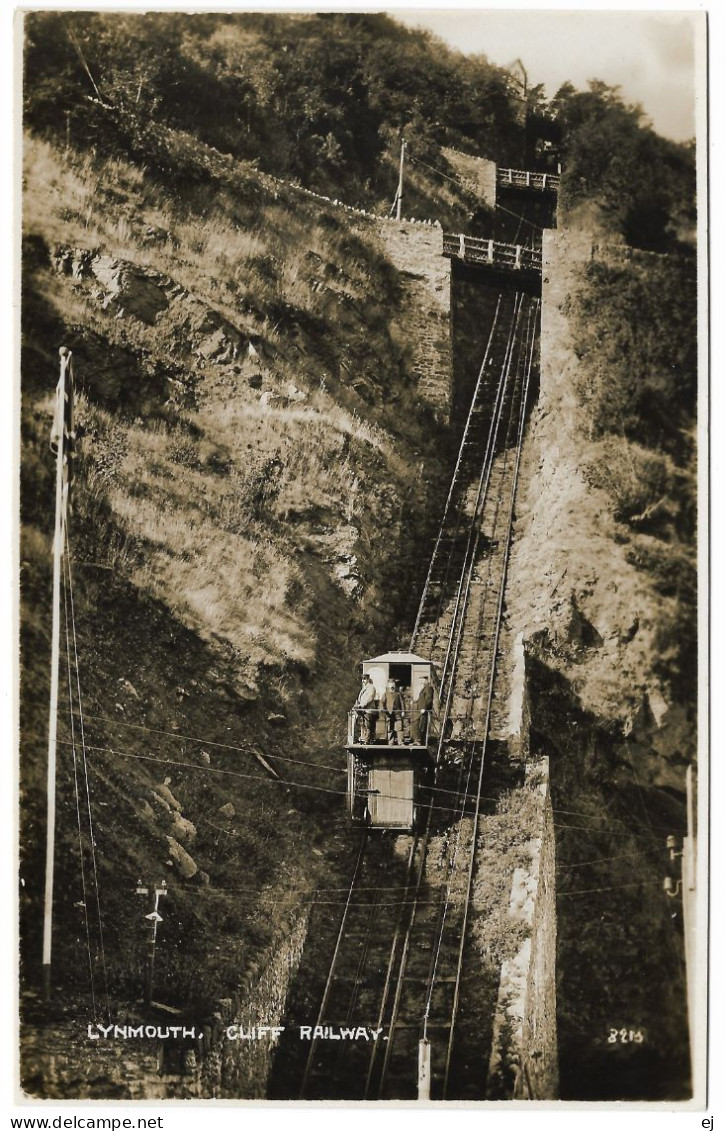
x=259, y=469
x=320, y=98
x=251, y=449
x=620, y=493
x=258, y=465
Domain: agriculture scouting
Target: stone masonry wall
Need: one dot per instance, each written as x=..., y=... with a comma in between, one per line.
x=539, y=1077
x=524, y=1061
x=62, y=1061
x=239, y=1069
x=416, y=251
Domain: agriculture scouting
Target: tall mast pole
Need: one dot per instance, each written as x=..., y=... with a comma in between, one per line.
x=400, y=181
x=689, y=871
x=65, y=358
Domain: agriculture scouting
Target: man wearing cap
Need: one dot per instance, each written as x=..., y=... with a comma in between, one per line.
x=422, y=708
x=363, y=710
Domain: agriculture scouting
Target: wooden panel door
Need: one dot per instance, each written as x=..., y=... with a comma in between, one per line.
x=391, y=797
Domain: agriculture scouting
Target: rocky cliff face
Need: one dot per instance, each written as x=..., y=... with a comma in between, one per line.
x=618, y=730
x=594, y=608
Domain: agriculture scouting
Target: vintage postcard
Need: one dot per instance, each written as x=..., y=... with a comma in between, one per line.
x=362, y=563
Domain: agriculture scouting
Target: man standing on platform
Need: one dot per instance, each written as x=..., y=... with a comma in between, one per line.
x=422, y=708
x=364, y=711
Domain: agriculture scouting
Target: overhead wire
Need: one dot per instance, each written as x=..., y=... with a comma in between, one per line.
x=522, y=219
x=287, y=782
x=81, y=56
x=81, y=851
x=454, y=180
x=608, y=832
x=92, y=837
x=614, y=887
x=227, y=889
x=211, y=742
x=600, y=860
x=460, y=184
x=314, y=902
x=213, y=769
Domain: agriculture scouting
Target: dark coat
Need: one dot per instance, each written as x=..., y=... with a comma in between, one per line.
x=391, y=701
x=424, y=702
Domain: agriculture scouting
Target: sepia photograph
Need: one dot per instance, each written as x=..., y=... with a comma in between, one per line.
x=361, y=535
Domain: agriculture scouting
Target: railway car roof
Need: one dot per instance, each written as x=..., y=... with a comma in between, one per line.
x=397, y=658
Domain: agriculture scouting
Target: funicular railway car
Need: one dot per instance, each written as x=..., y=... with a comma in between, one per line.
x=391, y=740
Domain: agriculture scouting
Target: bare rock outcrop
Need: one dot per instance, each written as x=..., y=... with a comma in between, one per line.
x=182, y=861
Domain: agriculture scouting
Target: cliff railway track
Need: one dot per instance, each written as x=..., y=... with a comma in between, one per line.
x=396, y=943
x=397, y=958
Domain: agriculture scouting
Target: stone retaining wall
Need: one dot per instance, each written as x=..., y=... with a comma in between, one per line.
x=62, y=1061
x=416, y=252
x=524, y=1061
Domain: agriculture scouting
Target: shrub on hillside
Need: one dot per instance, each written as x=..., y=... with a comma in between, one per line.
x=320, y=98
x=643, y=185
x=635, y=332
x=641, y=484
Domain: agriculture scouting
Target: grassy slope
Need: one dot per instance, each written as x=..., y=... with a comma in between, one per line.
x=232, y=558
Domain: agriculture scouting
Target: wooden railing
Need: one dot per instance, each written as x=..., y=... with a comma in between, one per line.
x=522, y=178
x=492, y=253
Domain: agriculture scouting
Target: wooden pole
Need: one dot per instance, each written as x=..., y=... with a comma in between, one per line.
x=65, y=357
x=689, y=860
x=153, y=919
x=399, y=209
x=424, y=1069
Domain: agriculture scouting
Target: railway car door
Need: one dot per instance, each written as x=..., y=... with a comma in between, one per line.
x=390, y=799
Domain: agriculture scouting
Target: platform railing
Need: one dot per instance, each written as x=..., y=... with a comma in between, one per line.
x=372, y=726
x=491, y=253
x=524, y=178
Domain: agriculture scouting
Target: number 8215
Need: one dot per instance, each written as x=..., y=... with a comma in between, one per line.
x=625, y=1037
